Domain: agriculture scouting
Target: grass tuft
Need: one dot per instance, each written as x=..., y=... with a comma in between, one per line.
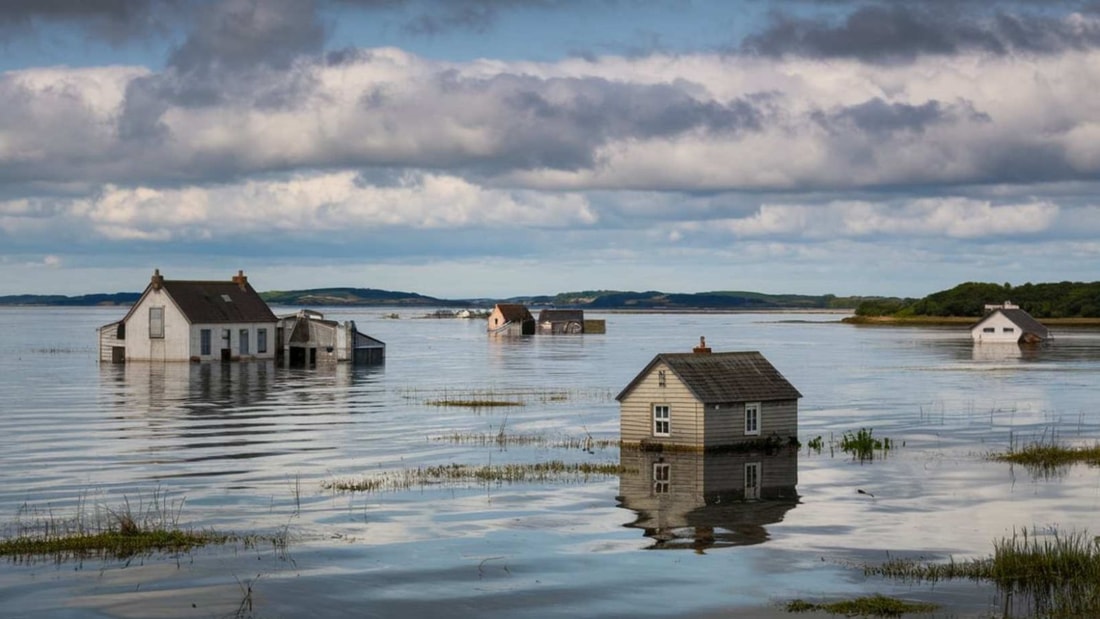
x=554, y=470
x=868, y=606
x=863, y=445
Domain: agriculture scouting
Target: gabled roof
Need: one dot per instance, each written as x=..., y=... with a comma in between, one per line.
x=716, y=378
x=514, y=312
x=561, y=315
x=1021, y=319
x=218, y=302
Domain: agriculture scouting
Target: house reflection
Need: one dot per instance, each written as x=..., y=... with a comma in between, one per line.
x=708, y=500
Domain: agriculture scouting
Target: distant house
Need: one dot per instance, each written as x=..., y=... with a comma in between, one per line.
x=511, y=319
x=561, y=321
x=1008, y=323
x=184, y=320
x=703, y=400
x=307, y=339
x=699, y=501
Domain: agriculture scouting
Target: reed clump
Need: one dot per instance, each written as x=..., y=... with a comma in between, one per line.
x=876, y=605
x=1053, y=575
x=103, y=532
x=529, y=472
x=585, y=443
x=1049, y=457
x=862, y=444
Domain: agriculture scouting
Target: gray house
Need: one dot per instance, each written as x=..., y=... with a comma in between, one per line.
x=561, y=321
x=701, y=400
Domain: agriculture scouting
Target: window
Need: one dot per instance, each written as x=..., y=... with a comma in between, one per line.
x=662, y=472
x=752, y=480
x=752, y=418
x=244, y=342
x=989, y=330
x=204, y=342
x=156, y=322
x=261, y=341
x=1008, y=330
x=660, y=378
x=661, y=420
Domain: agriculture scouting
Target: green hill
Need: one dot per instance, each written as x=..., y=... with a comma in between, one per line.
x=1050, y=300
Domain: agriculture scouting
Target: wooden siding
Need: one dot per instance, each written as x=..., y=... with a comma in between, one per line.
x=636, y=411
x=726, y=424
x=108, y=340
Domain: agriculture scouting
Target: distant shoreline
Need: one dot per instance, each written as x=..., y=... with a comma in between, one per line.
x=954, y=321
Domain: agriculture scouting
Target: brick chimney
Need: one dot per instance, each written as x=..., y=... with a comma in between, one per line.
x=241, y=279
x=701, y=349
x=157, y=280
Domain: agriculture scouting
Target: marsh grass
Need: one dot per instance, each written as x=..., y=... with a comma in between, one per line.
x=1048, y=458
x=863, y=445
x=1056, y=575
x=405, y=479
x=507, y=397
x=876, y=605
x=149, y=526
x=505, y=440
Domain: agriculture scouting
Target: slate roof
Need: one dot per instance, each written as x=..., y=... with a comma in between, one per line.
x=717, y=378
x=514, y=312
x=206, y=302
x=1023, y=320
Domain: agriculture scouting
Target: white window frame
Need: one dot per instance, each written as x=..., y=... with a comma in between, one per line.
x=242, y=342
x=1008, y=330
x=989, y=329
x=752, y=480
x=261, y=341
x=662, y=475
x=662, y=416
x=752, y=418
x=206, y=342
x=156, y=323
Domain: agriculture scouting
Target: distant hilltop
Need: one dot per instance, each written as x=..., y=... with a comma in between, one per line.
x=590, y=299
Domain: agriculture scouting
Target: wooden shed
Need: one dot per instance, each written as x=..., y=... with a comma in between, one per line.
x=708, y=500
x=307, y=339
x=511, y=319
x=704, y=400
x=561, y=321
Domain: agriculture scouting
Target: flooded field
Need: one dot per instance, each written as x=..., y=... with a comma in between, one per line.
x=256, y=450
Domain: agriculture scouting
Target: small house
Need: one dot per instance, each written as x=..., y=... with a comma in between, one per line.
x=511, y=319
x=561, y=321
x=188, y=320
x=1008, y=323
x=307, y=339
x=708, y=500
x=704, y=400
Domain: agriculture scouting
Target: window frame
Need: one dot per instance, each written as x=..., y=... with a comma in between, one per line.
x=206, y=342
x=662, y=477
x=753, y=415
x=261, y=341
x=1008, y=330
x=989, y=329
x=752, y=480
x=242, y=342
x=156, y=322
x=661, y=420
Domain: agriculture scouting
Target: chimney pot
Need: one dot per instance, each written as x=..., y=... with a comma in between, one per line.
x=701, y=349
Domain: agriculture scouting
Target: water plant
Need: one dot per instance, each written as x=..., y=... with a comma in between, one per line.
x=862, y=444
x=876, y=605
x=1051, y=575
x=504, y=440
x=531, y=472
x=1048, y=457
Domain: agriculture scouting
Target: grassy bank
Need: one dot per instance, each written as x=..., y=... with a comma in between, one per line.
x=953, y=321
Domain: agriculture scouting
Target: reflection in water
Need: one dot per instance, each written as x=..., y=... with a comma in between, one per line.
x=712, y=500
x=190, y=413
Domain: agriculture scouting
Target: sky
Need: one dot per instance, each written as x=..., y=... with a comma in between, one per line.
x=497, y=148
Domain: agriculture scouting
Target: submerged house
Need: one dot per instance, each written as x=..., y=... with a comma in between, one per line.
x=708, y=500
x=1007, y=323
x=511, y=319
x=307, y=339
x=561, y=321
x=703, y=401
x=188, y=320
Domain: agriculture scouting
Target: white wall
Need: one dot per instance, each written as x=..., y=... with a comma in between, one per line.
x=999, y=325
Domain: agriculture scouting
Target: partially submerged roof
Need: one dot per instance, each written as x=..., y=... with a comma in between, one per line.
x=513, y=312
x=716, y=378
x=561, y=315
x=1021, y=319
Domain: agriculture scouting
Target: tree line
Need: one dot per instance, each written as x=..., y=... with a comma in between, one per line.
x=1048, y=300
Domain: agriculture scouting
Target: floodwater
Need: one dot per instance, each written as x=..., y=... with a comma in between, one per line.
x=247, y=449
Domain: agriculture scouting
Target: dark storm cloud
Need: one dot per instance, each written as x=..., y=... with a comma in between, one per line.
x=114, y=21
x=882, y=32
x=876, y=116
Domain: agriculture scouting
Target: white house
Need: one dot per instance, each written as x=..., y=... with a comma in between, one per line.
x=1008, y=323
x=182, y=320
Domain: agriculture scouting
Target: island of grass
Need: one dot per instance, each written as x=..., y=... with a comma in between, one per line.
x=876, y=605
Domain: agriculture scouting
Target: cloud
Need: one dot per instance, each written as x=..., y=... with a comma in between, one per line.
x=114, y=21
x=895, y=31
